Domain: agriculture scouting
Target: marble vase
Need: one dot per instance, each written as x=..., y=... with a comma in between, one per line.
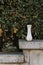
x=29, y=34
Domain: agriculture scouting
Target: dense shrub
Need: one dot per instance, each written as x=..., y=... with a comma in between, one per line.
x=20, y=13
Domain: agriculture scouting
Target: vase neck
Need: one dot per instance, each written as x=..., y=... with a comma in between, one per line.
x=29, y=27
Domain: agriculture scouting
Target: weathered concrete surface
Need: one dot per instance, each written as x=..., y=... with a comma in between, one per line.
x=27, y=55
x=33, y=51
x=9, y=64
x=36, y=57
x=35, y=44
x=25, y=63
x=16, y=64
x=11, y=58
x=32, y=54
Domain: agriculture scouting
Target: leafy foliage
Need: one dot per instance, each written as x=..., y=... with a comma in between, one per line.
x=20, y=13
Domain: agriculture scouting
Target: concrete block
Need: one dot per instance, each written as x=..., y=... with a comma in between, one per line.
x=35, y=44
x=11, y=58
x=36, y=57
x=26, y=55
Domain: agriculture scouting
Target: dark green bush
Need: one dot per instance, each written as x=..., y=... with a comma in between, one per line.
x=20, y=13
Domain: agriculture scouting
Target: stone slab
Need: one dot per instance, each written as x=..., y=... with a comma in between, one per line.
x=27, y=55
x=9, y=64
x=11, y=58
x=35, y=44
x=36, y=57
x=16, y=64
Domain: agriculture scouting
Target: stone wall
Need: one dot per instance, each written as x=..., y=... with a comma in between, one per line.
x=32, y=54
x=33, y=51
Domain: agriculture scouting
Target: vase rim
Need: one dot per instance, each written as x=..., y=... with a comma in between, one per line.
x=29, y=25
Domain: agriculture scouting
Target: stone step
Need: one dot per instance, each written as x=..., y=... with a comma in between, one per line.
x=11, y=58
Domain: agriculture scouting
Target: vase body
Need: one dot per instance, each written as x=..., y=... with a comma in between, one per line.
x=29, y=34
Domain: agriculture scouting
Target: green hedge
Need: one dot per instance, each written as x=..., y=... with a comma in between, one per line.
x=20, y=13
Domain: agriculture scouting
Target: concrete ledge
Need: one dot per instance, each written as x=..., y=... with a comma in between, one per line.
x=35, y=44
x=11, y=58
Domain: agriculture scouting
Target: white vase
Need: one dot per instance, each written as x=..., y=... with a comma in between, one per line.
x=29, y=34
